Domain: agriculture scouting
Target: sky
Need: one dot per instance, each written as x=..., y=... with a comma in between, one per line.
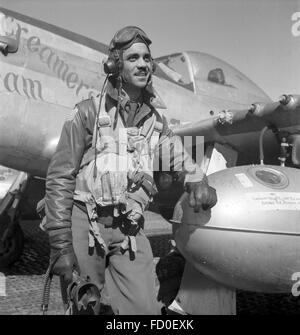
x=261, y=38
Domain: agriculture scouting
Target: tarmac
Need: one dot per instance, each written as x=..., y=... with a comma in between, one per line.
x=25, y=278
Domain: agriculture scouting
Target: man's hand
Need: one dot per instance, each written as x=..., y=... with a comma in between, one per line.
x=201, y=195
x=62, y=256
x=64, y=264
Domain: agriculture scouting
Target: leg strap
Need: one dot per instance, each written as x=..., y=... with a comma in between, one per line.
x=94, y=232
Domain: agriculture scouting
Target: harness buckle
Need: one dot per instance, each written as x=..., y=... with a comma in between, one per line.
x=104, y=121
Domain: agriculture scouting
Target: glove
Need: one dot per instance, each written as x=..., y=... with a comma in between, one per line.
x=201, y=195
x=135, y=221
x=62, y=255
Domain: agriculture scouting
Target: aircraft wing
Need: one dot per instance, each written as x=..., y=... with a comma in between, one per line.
x=257, y=116
x=241, y=128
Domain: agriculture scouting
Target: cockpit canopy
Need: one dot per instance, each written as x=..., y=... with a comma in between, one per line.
x=207, y=75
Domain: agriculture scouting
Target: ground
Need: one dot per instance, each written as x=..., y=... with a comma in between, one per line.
x=24, y=280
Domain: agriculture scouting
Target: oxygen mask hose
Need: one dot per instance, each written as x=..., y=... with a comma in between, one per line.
x=97, y=120
x=47, y=284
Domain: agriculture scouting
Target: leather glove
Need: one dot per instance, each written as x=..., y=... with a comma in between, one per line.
x=62, y=254
x=135, y=221
x=201, y=195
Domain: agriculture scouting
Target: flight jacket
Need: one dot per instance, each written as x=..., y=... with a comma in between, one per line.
x=76, y=139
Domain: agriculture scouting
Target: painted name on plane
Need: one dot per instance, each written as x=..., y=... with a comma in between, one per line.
x=57, y=65
x=14, y=82
x=47, y=56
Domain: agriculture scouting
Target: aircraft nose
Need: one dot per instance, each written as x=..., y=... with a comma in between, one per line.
x=7, y=43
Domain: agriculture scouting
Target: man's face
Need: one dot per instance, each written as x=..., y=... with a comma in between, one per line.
x=137, y=65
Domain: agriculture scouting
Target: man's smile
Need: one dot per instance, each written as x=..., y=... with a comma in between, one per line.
x=141, y=73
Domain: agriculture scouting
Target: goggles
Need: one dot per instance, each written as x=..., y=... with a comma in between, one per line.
x=125, y=37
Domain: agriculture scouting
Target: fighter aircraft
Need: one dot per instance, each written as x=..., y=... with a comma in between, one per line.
x=250, y=152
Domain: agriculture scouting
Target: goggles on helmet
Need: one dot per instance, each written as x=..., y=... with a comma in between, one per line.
x=125, y=37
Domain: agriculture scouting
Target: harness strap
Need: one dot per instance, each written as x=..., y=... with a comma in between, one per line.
x=148, y=127
x=129, y=243
x=158, y=127
x=94, y=232
x=104, y=119
x=146, y=181
x=96, y=106
x=104, y=127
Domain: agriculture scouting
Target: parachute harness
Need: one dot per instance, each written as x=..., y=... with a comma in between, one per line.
x=137, y=139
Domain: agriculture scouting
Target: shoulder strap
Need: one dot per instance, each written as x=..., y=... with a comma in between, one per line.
x=153, y=124
x=158, y=127
x=148, y=126
x=96, y=106
x=89, y=155
x=103, y=118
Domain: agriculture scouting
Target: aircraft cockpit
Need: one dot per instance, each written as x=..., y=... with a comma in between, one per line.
x=209, y=76
x=175, y=68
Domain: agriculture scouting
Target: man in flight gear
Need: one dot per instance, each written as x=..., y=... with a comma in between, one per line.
x=99, y=181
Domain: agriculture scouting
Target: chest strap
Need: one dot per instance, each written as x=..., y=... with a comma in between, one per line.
x=104, y=125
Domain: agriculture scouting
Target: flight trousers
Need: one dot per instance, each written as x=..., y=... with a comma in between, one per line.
x=126, y=284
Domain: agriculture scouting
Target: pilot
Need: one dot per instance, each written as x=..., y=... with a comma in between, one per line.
x=95, y=202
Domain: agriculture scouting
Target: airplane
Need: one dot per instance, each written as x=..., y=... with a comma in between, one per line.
x=247, y=144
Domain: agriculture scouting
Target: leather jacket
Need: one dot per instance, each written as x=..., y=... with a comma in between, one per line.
x=76, y=139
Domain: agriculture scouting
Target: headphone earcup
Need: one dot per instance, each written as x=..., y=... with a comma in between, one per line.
x=113, y=64
x=110, y=66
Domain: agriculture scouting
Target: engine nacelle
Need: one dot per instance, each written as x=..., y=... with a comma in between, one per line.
x=251, y=239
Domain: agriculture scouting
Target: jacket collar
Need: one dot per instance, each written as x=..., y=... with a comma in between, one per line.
x=146, y=107
x=151, y=100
